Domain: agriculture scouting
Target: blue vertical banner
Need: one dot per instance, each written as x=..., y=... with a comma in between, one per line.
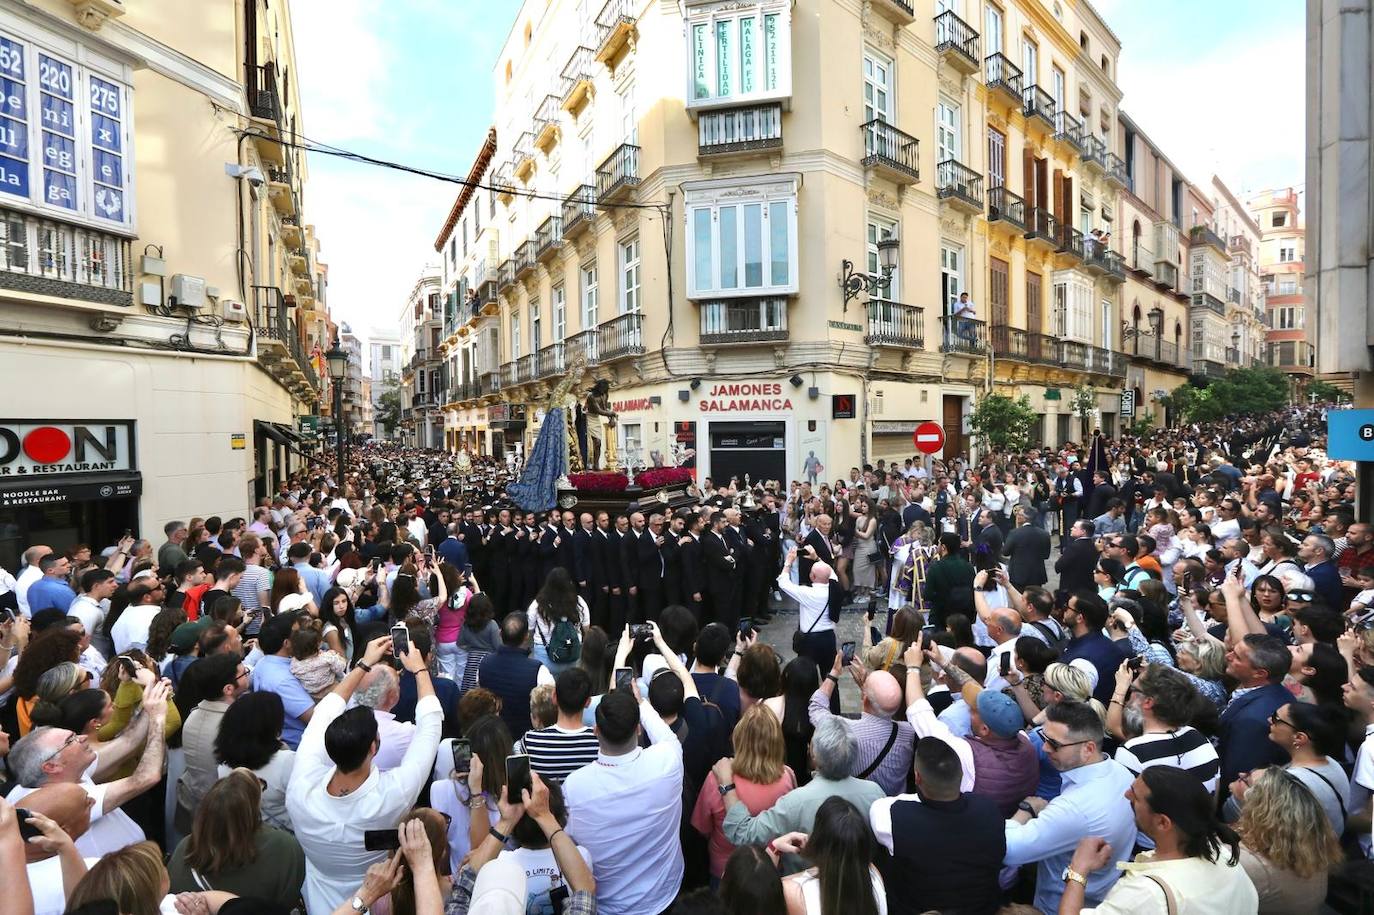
x=14, y=117
x=56, y=94
x=107, y=161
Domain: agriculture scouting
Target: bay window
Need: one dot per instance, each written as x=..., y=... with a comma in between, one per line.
x=1073, y=305
x=738, y=54
x=741, y=238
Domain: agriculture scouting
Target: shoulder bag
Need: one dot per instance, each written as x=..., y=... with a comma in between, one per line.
x=878, y=760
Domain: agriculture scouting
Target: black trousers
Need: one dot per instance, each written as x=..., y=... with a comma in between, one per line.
x=820, y=646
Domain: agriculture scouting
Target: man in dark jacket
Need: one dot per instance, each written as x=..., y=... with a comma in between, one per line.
x=587, y=561
x=693, y=567
x=815, y=547
x=1257, y=663
x=1027, y=549
x=511, y=673
x=1102, y=491
x=722, y=573
x=1075, y=565
x=949, y=581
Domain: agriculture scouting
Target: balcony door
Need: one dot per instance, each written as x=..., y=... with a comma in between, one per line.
x=951, y=275
x=1034, y=291
x=1030, y=63
x=992, y=29
x=877, y=87
x=999, y=272
x=997, y=158
x=946, y=131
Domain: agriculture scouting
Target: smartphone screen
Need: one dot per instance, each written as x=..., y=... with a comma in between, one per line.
x=1005, y=663
x=848, y=649
x=26, y=829
x=517, y=776
x=624, y=676
x=381, y=839
x=746, y=627
x=400, y=640
x=462, y=755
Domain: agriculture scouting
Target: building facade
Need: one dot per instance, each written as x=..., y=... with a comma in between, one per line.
x=384, y=368
x=424, y=379
x=1245, y=302
x=1281, y=256
x=354, y=414
x=682, y=211
x=160, y=287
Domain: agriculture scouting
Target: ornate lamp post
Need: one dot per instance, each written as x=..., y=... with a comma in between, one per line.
x=337, y=359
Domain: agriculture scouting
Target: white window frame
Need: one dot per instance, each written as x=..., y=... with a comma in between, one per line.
x=875, y=63
x=994, y=23
x=703, y=54
x=948, y=135
x=709, y=198
x=1030, y=62
x=997, y=142
x=1288, y=253
x=587, y=279
x=876, y=228
x=1058, y=87
x=514, y=336
x=83, y=64
x=629, y=285
x=1073, y=302
x=952, y=264
x=536, y=325
x=560, y=313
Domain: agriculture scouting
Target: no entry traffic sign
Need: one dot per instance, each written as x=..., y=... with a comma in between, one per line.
x=929, y=437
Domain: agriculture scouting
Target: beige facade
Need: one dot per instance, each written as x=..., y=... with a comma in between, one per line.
x=156, y=266
x=422, y=363
x=679, y=200
x=1281, y=257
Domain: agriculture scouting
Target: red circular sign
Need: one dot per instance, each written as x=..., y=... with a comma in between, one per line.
x=47, y=445
x=929, y=437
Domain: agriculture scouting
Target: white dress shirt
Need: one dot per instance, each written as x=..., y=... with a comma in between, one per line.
x=22, y=584
x=813, y=603
x=626, y=811
x=922, y=717
x=110, y=831
x=994, y=679
x=396, y=737
x=1093, y=803
x=131, y=629
x=330, y=829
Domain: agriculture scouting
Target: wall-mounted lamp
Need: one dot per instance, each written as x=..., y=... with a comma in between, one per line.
x=696, y=383
x=854, y=283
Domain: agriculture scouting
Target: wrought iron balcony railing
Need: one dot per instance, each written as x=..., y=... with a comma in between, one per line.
x=956, y=180
x=1006, y=206
x=735, y=130
x=744, y=321
x=579, y=210
x=1037, y=103
x=1070, y=129
x=619, y=173
x=890, y=149
x=621, y=336
x=953, y=34
x=1041, y=225
x=46, y=257
x=963, y=335
x=1002, y=74
x=895, y=324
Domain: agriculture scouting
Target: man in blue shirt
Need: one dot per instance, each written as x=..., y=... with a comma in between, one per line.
x=273, y=675
x=714, y=641
x=454, y=551
x=1086, y=615
x=52, y=589
x=317, y=580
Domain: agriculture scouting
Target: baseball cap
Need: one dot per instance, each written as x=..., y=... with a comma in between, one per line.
x=1000, y=713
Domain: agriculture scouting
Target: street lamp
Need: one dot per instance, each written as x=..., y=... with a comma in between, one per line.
x=854, y=283
x=337, y=360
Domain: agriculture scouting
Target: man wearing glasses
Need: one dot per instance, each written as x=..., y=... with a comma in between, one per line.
x=49, y=755
x=1093, y=803
x=223, y=678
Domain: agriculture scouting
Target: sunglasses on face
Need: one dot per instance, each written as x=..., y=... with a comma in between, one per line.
x=1058, y=745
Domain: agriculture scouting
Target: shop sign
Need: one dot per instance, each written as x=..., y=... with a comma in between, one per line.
x=890, y=427
x=1051, y=393
x=634, y=405
x=841, y=406
x=308, y=427
x=745, y=397
x=36, y=447
x=238, y=441
x=844, y=325
x=498, y=412
x=49, y=492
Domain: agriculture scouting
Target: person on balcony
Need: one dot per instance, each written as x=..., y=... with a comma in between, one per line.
x=965, y=314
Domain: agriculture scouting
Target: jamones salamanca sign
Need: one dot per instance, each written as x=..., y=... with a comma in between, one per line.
x=755, y=397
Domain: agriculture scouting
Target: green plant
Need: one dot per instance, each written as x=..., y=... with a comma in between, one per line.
x=1003, y=423
x=1083, y=403
x=1324, y=392
x=1142, y=424
x=389, y=407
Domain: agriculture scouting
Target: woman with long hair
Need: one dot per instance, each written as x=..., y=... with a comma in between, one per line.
x=136, y=881
x=760, y=775
x=1287, y=845
x=44, y=652
x=449, y=623
x=800, y=678
x=866, y=568
x=249, y=738
x=479, y=635
x=1311, y=735
x=1268, y=598
x=750, y=884
x=842, y=879
x=289, y=592
x=401, y=900
x=842, y=532
x=340, y=622
x=230, y=848
x=160, y=632
x=556, y=602
x=128, y=699
x=474, y=793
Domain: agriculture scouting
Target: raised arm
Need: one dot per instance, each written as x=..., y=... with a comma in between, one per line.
x=149, y=770
x=1241, y=618
x=689, y=686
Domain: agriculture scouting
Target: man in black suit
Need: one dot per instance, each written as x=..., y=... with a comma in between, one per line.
x=586, y=571
x=722, y=574
x=742, y=547
x=643, y=571
x=1027, y=548
x=1102, y=491
x=693, y=567
x=1078, y=559
x=989, y=534
x=815, y=547
x=671, y=532
x=761, y=571
x=605, y=567
x=615, y=569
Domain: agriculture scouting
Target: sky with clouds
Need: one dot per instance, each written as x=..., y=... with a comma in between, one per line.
x=1217, y=85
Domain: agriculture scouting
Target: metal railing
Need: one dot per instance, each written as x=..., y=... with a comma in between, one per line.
x=887, y=146
x=1115, y=167
x=895, y=324
x=744, y=321
x=264, y=99
x=488, y=383
x=1001, y=73
x=579, y=209
x=501, y=181
x=551, y=361
x=743, y=129
x=1233, y=295
x=1036, y=102
x=615, y=13
x=580, y=68
x=506, y=274
x=583, y=344
x=547, y=114
x=1070, y=241
x=1204, y=235
x=963, y=335
x=1210, y=302
x=955, y=179
x=954, y=34
x=1239, y=243
x=549, y=236
x=1041, y=224
x=1099, y=255
x=524, y=258
x=621, y=336
x=1004, y=205
x=620, y=170
x=523, y=150
x=1166, y=274
x=271, y=322
x=51, y=258
x=1070, y=129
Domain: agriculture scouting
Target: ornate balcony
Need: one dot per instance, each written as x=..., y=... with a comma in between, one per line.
x=1070, y=241
x=744, y=321
x=619, y=337
x=1004, y=206
x=551, y=361
x=899, y=12
x=959, y=186
x=617, y=26
x=1041, y=226
x=523, y=156
x=579, y=210
x=42, y=256
x=548, y=238
x=618, y=176
x=1115, y=169
x=1004, y=76
x=1036, y=103
x=890, y=152
x=1093, y=151
x=584, y=345
x=895, y=324
x=524, y=258
x=502, y=183
x=963, y=335
x=1203, y=235
x=956, y=42
x=735, y=131
x=1104, y=261
x=1069, y=129
x=546, y=122
x=280, y=349
x=578, y=79
x=505, y=276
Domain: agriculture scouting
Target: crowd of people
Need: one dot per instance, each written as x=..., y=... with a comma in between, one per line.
x=391, y=690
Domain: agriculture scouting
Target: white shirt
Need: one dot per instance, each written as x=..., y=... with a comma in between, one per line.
x=395, y=736
x=1226, y=530
x=994, y=679
x=922, y=717
x=88, y=611
x=45, y=883
x=330, y=829
x=1093, y=803
x=22, y=584
x=813, y=603
x=109, y=832
x=638, y=859
x=131, y=629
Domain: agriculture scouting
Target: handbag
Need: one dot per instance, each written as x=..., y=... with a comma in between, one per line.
x=797, y=636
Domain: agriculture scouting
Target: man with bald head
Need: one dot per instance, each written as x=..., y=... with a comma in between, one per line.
x=814, y=620
x=886, y=742
x=380, y=691
x=816, y=546
x=62, y=813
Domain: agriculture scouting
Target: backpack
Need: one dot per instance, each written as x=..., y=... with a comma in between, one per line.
x=564, y=643
x=1057, y=642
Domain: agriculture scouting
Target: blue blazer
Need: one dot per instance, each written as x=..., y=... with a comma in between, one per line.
x=1243, y=731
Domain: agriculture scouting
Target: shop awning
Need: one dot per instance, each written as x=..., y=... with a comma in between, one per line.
x=271, y=430
x=291, y=434
x=71, y=487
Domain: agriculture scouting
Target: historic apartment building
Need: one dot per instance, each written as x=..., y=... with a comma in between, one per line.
x=1281, y=253
x=423, y=372
x=698, y=202
x=158, y=276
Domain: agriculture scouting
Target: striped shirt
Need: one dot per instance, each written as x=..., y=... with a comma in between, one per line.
x=557, y=753
x=1186, y=748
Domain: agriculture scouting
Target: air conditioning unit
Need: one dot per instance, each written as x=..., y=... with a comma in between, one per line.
x=232, y=312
